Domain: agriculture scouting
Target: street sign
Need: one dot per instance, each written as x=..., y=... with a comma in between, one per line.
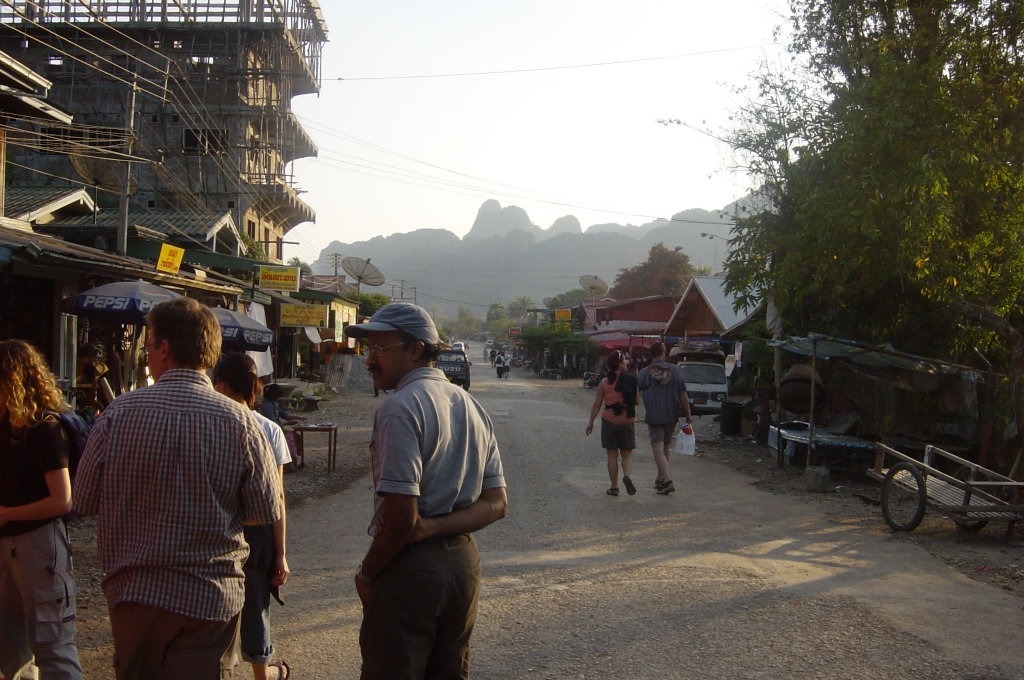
x=563, y=315
x=304, y=315
x=563, y=326
x=273, y=277
x=514, y=331
x=170, y=259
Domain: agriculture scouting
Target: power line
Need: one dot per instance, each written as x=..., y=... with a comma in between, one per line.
x=483, y=192
x=560, y=68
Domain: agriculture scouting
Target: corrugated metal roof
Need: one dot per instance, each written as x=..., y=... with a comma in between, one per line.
x=166, y=221
x=21, y=202
x=721, y=302
x=46, y=250
x=871, y=357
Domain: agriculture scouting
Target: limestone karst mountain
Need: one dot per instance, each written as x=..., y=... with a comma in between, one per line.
x=506, y=255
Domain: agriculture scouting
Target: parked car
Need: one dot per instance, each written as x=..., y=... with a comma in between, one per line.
x=455, y=365
x=706, y=386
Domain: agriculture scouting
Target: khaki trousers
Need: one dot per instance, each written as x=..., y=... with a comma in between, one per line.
x=421, y=612
x=151, y=643
x=37, y=605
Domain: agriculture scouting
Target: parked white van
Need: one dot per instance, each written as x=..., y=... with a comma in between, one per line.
x=706, y=386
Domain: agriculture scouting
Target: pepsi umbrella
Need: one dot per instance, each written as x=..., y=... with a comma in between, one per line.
x=239, y=333
x=121, y=302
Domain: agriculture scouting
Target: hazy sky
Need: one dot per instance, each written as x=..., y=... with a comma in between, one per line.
x=556, y=142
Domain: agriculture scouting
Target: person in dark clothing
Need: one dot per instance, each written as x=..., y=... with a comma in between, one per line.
x=35, y=492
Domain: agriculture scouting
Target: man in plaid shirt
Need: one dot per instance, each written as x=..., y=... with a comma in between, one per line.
x=174, y=470
x=664, y=393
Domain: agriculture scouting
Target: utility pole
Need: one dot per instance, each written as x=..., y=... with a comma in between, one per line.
x=122, y=208
x=337, y=261
x=414, y=295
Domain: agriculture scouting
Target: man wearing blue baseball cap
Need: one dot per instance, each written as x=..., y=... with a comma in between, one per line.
x=438, y=478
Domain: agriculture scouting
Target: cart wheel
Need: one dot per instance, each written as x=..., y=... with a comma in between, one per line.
x=975, y=526
x=904, y=498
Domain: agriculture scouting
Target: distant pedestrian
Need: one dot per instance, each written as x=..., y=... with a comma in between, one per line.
x=616, y=402
x=664, y=394
x=438, y=477
x=499, y=363
x=266, y=568
x=37, y=587
x=174, y=470
x=494, y=357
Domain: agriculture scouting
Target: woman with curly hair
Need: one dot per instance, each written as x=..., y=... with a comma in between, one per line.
x=37, y=588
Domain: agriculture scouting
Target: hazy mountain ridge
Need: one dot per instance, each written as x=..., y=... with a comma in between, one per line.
x=506, y=255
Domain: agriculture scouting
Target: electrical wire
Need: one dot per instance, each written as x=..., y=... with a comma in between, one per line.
x=485, y=193
x=355, y=140
x=180, y=107
x=559, y=68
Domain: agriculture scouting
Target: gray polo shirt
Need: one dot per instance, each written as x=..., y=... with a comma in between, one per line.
x=432, y=440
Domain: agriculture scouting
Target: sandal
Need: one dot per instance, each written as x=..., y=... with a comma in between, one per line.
x=666, y=489
x=628, y=483
x=659, y=484
x=614, y=491
x=284, y=671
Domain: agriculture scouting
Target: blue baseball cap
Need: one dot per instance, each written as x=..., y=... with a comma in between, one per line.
x=399, y=316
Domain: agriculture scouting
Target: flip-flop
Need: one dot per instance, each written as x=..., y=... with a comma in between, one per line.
x=614, y=491
x=628, y=483
x=284, y=671
x=667, y=489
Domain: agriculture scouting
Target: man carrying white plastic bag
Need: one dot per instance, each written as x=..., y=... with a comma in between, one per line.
x=686, y=442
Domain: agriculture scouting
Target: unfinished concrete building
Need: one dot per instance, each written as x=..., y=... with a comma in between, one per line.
x=213, y=80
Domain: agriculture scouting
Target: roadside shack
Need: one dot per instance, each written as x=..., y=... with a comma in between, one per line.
x=844, y=435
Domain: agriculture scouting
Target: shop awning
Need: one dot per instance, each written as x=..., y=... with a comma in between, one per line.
x=882, y=362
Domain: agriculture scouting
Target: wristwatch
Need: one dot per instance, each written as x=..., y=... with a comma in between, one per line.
x=360, y=576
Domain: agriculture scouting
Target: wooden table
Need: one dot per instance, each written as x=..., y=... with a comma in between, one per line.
x=332, y=443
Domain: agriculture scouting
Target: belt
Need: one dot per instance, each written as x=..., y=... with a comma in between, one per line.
x=438, y=541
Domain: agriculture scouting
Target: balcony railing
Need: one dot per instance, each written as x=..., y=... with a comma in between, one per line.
x=303, y=19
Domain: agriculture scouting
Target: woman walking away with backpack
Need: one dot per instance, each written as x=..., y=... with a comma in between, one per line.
x=37, y=588
x=618, y=394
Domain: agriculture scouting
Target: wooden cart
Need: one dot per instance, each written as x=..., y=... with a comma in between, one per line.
x=972, y=498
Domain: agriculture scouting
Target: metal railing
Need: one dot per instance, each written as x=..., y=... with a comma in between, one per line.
x=302, y=19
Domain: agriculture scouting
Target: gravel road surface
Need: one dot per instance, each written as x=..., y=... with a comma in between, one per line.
x=736, y=575
x=718, y=580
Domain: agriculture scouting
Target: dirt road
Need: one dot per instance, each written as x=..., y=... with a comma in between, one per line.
x=718, y=580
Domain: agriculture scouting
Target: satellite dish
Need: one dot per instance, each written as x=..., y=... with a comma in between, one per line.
x=593, y=285
x=548, y=302
x=363, y=272
x=101, y=173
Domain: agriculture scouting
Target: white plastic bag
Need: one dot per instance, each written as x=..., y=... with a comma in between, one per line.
x=686, y=443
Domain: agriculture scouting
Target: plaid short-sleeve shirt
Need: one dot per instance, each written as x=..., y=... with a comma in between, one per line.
x=173, y=470
x=662, y=401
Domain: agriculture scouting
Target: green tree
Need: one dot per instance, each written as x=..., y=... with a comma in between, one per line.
x=252, y=249
x=666, y=272
x=368, y=302
x=304, y=267
x=891, y=202
x=496, y=311
x=570, y=298
x=517, y=308
x=465, y=324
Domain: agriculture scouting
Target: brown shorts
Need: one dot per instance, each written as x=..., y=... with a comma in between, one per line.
x=421, y=612
x=151, y=643
x=662, y=433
